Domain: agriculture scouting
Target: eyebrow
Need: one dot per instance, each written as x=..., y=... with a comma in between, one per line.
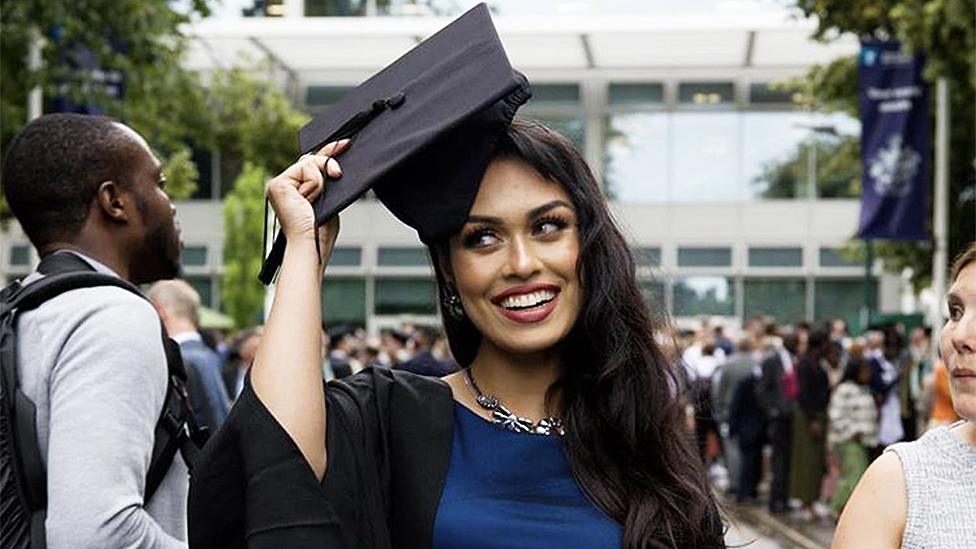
x=534, y=212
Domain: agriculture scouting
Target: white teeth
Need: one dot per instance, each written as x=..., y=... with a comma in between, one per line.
x=526, y=301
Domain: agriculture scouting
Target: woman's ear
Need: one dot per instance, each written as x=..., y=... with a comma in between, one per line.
x=443, y=259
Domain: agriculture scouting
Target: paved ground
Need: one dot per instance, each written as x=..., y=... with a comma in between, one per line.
x=755, y=528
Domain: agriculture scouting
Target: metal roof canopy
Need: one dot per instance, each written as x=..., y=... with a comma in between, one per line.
x=315, y=49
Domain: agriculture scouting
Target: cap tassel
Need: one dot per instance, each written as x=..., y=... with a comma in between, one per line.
x=347, y=131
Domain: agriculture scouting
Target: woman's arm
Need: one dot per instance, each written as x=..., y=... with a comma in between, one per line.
x=287, y=370
x=874, y=517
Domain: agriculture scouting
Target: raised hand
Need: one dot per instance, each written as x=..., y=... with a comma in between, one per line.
x=291, y=193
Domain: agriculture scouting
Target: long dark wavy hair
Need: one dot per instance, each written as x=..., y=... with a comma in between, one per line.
x=625, y=435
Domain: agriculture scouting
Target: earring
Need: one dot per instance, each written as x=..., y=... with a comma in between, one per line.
x=451, y=302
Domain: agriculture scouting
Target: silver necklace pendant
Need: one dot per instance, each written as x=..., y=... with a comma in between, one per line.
x=504, y=417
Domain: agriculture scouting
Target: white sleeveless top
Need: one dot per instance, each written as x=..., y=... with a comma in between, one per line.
x=940, y=481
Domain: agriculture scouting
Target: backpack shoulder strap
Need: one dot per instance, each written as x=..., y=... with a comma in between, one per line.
x=19, y=411
x=175, y=429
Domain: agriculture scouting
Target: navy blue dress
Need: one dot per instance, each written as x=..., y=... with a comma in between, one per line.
x=514, y=491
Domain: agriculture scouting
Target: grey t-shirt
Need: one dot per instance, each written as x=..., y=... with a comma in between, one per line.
x=940, y=482
x=92, y=362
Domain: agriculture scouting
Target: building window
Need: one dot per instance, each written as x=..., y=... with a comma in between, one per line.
x=346, y=257
x=653, y=292
x=20, y=255
x=704, y=257
x=704, y=295
x=766, y=94
x=636, y=95
x=784, y=299
x=558, y=106
x=204, y=286
x=344, y=301
x=402, y=257
x=648, y=257
x=774, y=155
x=334, y=8
x=705, y=161
x=554, y=95
x=706, y=93
x=318, y=98
x=775, y=257
x=194, y=256
x=833, y=257
x=395, y=296
x=840, y=298
x=636, y=156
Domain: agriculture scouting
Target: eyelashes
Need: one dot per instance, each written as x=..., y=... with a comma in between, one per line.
x=485, y=235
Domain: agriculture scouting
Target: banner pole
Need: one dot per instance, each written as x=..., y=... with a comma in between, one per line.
x=868, y=294
x=940, y=213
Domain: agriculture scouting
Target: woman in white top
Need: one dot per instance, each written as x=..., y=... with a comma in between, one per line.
x=923, y=493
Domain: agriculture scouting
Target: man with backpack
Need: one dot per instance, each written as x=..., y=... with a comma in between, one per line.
x=93, y=366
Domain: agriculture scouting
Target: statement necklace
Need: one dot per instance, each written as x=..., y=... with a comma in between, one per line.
x=501, y=415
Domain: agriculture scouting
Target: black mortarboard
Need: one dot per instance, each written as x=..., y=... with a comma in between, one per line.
x=423, y=130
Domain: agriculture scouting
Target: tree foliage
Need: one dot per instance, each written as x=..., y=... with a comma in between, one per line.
x=255, y=128
x=137, y=38
x=233, y=112
x=837, y=175
x=945, y=30
x=241, y=293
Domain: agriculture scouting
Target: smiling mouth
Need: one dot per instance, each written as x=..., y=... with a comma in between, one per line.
x=528, y=301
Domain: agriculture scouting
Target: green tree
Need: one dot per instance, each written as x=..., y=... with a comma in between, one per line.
x=241, y=293
x=138, y=38
x=838, y=170
x=254, y=126
x=945, y=30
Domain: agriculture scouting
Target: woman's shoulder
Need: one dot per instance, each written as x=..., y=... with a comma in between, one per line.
x=935, y=445
x=384, y=386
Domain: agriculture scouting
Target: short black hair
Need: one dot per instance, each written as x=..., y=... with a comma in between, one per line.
x=54, y=167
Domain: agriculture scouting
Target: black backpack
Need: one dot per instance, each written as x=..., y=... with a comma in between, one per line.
x=23, y=479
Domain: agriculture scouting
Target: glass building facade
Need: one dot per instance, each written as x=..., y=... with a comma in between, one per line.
x=736, y=199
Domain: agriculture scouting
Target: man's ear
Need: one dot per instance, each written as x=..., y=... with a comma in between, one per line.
x=113, y=202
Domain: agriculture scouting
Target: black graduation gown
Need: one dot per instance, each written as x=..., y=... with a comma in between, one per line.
x=252, y=487
x=389, y=435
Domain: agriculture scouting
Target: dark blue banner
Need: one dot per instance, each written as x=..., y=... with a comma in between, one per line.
x=895, y=137
x=95, y=82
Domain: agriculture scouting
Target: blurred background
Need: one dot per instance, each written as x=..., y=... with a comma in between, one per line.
x=725, y=133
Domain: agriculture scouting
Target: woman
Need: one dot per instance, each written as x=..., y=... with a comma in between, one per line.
x=853, y=427
x=563, y=430
x=809, y=460
x=921, y=494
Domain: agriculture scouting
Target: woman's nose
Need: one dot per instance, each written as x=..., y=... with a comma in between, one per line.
x=522, y=259
x=963, y=334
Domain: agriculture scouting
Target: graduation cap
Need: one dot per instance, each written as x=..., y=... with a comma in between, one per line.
x=423, y=131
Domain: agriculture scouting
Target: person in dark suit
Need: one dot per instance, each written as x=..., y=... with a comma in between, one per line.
x=239, y=360
x=178, y=305
x=747, y=425
x=777, y=392
x=340, y=360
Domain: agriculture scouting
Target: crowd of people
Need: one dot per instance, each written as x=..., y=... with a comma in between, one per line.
x=217, y=360
x=807, y=407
